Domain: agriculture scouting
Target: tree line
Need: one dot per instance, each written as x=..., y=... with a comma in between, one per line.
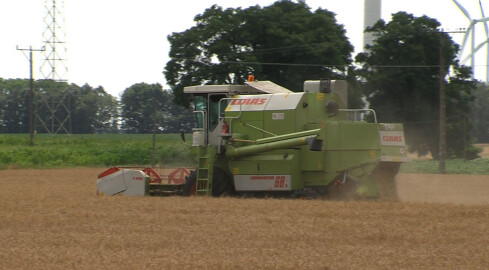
x=85, y=109
x=288, y=43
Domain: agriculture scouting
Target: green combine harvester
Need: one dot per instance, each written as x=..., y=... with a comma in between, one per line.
x=261, y=139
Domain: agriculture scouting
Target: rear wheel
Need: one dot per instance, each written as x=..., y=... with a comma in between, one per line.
x=307, y=193
x=189, y=185
x=344, y=188
x=384, y=175
x=222, y=184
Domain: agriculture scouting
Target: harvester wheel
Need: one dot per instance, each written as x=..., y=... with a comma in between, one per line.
x=343, y=189
x=306, y=194
x=222, y=184
x=384, y=175
x=189, y=185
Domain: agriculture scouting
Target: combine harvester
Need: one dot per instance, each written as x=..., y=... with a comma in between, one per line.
x=261, y=139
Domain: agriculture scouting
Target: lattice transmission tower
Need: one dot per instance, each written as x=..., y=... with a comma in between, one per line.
x=54, y=103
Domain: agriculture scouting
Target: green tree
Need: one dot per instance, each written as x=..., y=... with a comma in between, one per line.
x=176, y=117
x=459, y=98
x=479, y=115
x=401, y=75
x=14, y=106
x=94, y=110
x=53, y=105
x=141, y=101
x=138, y=107
x=91, y=110
x=285, y=42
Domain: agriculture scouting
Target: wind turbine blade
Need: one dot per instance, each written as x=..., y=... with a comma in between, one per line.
x=476, y=49
x=480, y=46
x=466, y=36
x=482, y=9
x=464, y=11
x=484, y=17
x=487, y=40
x=482, y=20
x=467, y=58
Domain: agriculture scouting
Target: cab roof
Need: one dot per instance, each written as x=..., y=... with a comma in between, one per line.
x=253, y=87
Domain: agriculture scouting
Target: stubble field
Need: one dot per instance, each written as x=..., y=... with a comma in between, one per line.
x=53, y=219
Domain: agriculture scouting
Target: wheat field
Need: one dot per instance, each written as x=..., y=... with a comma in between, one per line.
x=53, y=219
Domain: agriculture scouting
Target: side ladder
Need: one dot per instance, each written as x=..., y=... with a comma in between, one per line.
x=205, y=171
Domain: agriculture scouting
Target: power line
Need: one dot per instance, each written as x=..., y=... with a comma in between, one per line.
x=303, y=64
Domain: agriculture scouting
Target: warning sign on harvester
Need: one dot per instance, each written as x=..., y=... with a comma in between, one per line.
x=278, y=116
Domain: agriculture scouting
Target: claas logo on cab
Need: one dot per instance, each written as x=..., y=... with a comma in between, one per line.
x=392, y=138
x=249, y=101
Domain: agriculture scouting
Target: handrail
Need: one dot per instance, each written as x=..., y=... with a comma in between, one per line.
x=355, y=111
x=230, y=118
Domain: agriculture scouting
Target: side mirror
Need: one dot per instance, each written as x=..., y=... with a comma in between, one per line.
x=182, y=135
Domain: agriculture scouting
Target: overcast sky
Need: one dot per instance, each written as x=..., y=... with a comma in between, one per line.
x=116, y=44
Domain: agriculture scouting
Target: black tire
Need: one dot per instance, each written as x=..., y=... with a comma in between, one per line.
x=189, y=184
x=343, y=189
x=307, y=193
x=222, y=184
x=384, y=175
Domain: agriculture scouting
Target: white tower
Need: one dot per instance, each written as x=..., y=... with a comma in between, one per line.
x=372, y=13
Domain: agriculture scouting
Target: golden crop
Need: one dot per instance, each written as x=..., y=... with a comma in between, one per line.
x=53, y=219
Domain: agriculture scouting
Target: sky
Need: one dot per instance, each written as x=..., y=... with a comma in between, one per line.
x=116, y=44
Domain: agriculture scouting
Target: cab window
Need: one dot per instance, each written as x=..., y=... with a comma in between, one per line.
x=200, y=104
x=213, y=110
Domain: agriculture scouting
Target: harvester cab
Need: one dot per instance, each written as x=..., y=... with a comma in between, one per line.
x=210, y=102
x=263, y=138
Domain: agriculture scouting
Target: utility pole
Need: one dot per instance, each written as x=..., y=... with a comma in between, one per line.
x=153, y=160
x=31, y=91
x=443, y=127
